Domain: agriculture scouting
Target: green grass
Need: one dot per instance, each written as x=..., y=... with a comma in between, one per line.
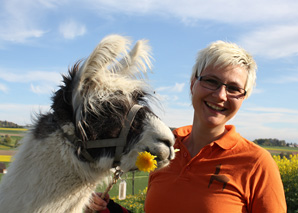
x=6, y=163
x=3, y=147
x=282, y=149
x=9, y=131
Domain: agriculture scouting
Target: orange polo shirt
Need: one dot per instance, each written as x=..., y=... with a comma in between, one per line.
x=229, y=175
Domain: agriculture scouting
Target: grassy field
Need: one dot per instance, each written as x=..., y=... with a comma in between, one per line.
x=13, y=131
x=15, y=135
x=3, y=147
x=276, y=150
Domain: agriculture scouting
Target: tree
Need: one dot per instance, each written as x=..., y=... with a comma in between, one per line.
x=7, y=140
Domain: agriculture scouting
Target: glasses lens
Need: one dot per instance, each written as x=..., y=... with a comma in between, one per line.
x=213, y=84
x=234, y=90
x=210, y=83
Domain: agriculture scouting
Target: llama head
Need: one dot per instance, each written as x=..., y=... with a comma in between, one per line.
x=97, y=98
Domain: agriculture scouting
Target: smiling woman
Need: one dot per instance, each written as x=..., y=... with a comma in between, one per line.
x=216, y=169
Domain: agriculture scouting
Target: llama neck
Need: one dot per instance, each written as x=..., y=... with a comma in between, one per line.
x=51, y=179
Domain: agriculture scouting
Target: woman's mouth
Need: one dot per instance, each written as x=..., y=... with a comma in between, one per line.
x=215, y=107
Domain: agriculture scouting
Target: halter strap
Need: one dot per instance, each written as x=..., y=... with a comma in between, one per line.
x=119, y=142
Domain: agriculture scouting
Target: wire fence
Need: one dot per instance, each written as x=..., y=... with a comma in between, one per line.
x=135, y=182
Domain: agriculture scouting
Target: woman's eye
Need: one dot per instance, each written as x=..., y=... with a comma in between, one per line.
x=212, y=81
x=233, y=89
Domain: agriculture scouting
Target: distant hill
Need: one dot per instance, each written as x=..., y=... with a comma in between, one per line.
x=8, y=124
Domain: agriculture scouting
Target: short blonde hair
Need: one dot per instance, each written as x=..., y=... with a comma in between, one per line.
x=222, y=53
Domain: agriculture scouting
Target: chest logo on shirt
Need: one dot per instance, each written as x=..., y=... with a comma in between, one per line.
x=219, y=178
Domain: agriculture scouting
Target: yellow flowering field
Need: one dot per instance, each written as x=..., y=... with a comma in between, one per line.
x=288, y=168
x=5, y=158
x=134, y=203
x=13, y=129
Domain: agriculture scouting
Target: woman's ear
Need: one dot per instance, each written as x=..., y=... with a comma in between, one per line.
x=192, y=84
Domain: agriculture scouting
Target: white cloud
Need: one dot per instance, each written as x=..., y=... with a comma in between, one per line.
x=277, y=41
x=19, y=20
x=3, y=88
x=232, y=11
x=175, y=117
x=17, y=35
x=41, y=82
x=21, y=114
x=272, y=109
x=272, y=42
x=262, y=122
x=284, y=79
x=71, y=29
x=23, y=20
x=42, y=89
x=32, y=76
x=178, y=87
x=257, y=91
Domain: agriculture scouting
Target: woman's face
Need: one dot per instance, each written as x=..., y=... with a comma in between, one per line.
x=214, y=108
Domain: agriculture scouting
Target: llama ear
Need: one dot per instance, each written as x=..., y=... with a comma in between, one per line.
x=111, y=57
x=138, y=59
x=104, y=56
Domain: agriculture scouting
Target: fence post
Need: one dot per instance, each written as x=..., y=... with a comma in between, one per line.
x=133, y=182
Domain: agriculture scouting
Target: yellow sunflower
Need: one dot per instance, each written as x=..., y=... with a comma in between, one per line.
x=145, y=162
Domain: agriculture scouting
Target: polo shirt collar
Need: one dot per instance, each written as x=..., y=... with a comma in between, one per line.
x=228, y=141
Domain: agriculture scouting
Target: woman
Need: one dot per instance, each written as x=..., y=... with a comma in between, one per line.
x=217, y=170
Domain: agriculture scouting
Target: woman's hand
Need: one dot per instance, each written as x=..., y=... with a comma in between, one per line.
x=96, y=203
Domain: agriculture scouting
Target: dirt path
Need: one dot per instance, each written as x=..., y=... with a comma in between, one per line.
x=20, y=135
x=7, y=152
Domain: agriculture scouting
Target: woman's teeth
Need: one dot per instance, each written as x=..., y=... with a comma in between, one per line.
x=215, y=107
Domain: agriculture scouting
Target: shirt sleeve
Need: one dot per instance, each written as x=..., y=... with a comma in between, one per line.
x=267, y=193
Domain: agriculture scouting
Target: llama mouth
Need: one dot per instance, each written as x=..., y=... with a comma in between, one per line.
x=161, y=160
x=215, y=107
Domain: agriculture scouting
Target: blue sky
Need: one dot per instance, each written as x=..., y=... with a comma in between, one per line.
x=41, y=39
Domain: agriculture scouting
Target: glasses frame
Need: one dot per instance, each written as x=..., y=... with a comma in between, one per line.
x=201, y=78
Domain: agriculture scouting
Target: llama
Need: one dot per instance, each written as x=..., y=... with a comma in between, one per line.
x=99, y=119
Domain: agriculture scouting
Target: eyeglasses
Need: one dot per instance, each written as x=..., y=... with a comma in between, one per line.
x=213, y=84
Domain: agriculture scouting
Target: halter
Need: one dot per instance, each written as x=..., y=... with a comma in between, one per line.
x=119, y=142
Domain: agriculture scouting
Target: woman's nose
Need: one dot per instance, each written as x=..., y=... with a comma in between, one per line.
x=221, y=93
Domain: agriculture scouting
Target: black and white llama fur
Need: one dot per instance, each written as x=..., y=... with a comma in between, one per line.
x=53, y=171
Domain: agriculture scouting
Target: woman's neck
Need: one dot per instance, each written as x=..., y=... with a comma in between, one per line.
x=201, y=136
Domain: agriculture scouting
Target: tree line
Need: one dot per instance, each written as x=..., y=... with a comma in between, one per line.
x=273, y=142
x=8, y=124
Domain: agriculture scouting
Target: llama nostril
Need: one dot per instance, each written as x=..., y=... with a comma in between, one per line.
x=166, y=142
